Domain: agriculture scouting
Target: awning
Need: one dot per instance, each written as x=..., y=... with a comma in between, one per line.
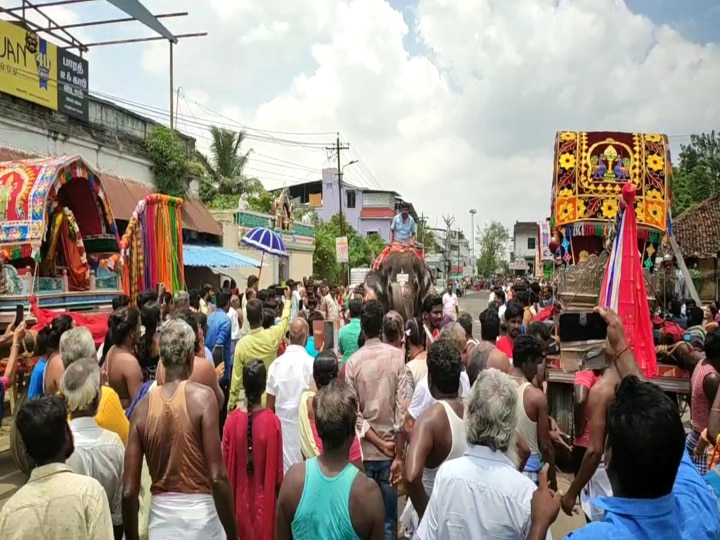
x=216, y=257
x=123, y=196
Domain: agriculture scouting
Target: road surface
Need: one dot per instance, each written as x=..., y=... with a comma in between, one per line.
x=474, y=304
x=11, y=479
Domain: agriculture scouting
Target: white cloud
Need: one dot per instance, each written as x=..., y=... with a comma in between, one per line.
x=468, y=123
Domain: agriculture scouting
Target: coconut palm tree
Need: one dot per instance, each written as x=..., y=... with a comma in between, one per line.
x=227, y=163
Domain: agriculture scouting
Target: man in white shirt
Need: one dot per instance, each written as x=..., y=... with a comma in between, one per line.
x=288, y=377
x=482, y=494
x=235, y=316
x=99, y=453
x=450, y=304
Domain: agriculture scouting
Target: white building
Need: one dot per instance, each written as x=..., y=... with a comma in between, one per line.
x=525, y=238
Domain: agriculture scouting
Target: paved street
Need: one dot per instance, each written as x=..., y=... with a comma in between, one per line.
x=475, y=303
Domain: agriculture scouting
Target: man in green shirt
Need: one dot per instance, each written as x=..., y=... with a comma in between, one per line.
x=349, y=334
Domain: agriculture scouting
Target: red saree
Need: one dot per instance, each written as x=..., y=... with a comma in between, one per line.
x=256, y=495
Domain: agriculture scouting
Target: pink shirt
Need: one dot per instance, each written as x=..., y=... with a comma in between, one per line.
x=587, y=379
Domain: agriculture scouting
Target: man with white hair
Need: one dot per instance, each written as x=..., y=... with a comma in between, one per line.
x=98, y=453
x=75, y=344
x=482, y=494
x=175, y=426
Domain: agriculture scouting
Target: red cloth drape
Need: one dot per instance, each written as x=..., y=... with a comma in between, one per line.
x=78, y=272
x=97, y=323
x=393, y=248
x=623, y=288
x=255, y=496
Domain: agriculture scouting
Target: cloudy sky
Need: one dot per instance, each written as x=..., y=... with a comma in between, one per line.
x=452, y=104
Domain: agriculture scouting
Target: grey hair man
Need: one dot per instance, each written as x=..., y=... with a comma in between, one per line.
x=289, y=377
x=484, y=485
x=455, y=333
x=98, y=453
x=75, y=344
x=187, y=411
x=181, y=301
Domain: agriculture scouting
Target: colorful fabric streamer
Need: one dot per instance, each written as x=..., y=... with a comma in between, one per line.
x=151, y=248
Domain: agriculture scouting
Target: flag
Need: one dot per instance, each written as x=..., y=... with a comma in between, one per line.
x=623, y=289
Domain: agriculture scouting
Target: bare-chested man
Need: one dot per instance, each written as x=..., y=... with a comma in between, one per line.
x=175, y=426
x=533, y=423
x=591, y=472
x=327, y=496
x=488, y=355
x=439, y=433
x=203, y=371
x=122, y=369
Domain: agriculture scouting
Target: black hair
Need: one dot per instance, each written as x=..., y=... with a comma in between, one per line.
x=268, y=318
x=312, y=303
x=361, y=340
x=371, y=320
x=695, y=316
x=262, y=296
x=500, y=295
x=254, y=378
x=189, y=317
x=535, y=287
x=222, y=299
x=540, y=330
x=122, y=323
x=254, y=311
x=355, y=307
x=148, y=295
x=226, y=284
x=206, y=289
x=392, y=327
x=465, y=320
x=150, y=315
x=513, y=310
x=430, y=302
x=647, y=440
x=712, y=345
x=325, y=368
x=194, y=299
x=121, y=300
x=42, y=340
x=675, y=308
x=335, y=414
x=42, y=423
x=201, y=319
x=252, y=280
x=523, y=297
x=489, y=325
x=444, y=363
x=314, y=316
x=527, y=351
x=415, y=333
x=58, y=326
x=167, y=298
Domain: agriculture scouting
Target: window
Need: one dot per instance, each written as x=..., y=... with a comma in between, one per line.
x=350, y=198
x=531, y=243
x=370, y=234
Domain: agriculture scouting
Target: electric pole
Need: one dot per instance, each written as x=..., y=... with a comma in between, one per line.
x=449, y=221
x=337, y=149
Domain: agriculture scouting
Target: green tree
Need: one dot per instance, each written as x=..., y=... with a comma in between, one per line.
x=361, y=251
x=493, y=249
x=171, y=166
x=697, y=176
x=426, y=237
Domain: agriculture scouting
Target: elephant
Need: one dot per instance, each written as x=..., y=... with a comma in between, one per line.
x=381, y=283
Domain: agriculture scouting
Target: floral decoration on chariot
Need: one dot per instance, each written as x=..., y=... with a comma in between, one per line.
x=591, y=168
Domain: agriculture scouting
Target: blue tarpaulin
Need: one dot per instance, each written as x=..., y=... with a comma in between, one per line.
x=215, y=256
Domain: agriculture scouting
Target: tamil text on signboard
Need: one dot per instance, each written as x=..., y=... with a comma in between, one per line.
x=33, y=69
x=341, y=249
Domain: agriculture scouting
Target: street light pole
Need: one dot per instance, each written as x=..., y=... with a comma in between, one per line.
x=472, y=235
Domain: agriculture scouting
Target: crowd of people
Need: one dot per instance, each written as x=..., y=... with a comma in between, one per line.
x=215, y=414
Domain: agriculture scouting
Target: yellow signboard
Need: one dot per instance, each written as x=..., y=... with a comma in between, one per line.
x=28, y=66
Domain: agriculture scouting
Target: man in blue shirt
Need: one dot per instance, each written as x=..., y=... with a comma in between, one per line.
x=657, y=492
x=403, y=229
x=219, y=331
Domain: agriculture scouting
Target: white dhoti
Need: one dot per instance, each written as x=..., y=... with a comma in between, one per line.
x=598, y=486
x=179, y=515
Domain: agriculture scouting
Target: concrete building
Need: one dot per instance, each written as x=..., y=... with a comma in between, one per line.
x=369, y=211
x=525, y=238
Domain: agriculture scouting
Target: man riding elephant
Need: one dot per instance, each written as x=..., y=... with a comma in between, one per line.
x=403, y=229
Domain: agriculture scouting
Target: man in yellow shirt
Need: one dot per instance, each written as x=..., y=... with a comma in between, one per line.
x=258, y=344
